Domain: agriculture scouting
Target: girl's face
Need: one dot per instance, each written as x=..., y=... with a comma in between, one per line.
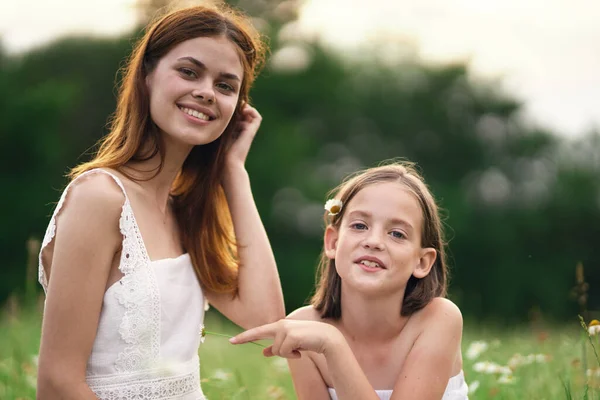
x=194, y=89
x=378, y=244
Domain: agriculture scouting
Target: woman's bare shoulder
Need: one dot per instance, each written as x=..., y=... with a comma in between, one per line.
x=95, y=193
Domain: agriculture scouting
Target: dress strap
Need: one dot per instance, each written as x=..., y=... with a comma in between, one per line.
x=137, y=290
x=127, y=225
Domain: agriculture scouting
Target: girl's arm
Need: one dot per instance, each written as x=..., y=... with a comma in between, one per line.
x=308, y=382
x=424, y=375
x=433, y=357
x=87, y=237
x=259, y=299
x=291, y=338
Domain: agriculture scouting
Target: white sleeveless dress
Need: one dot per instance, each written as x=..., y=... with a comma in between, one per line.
x=456, y=390
x=146, y=345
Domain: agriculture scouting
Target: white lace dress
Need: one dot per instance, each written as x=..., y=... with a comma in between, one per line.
x=456, y=390
x=146, y=345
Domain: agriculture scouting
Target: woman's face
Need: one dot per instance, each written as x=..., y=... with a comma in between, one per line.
x=194, y=89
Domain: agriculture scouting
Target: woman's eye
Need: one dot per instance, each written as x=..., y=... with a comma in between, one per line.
x=358, y=225
x=225, y=86
x=397, y=234
x=187, y=72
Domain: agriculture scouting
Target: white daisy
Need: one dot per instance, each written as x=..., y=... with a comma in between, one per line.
x=334, y=206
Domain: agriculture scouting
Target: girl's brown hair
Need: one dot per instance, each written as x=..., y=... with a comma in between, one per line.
x=199, y=201
x=419, y=292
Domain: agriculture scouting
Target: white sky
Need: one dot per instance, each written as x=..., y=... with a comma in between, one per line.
x=546, y=52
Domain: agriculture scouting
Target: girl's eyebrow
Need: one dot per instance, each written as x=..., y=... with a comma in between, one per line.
x=393, y=221
x=200, y=64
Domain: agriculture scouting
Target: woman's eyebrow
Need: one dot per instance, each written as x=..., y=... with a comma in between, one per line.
x=201, y=65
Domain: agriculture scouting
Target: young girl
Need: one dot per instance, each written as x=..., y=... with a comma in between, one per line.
x=379, y=326
x=159, y=220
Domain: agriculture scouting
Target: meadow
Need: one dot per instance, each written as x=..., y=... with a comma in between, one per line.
x=536, y=361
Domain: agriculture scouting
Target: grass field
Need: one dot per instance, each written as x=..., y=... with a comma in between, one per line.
x=533, y=362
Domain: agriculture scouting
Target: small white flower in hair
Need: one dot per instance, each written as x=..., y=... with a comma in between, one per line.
x=594, y=328
x=334, y=206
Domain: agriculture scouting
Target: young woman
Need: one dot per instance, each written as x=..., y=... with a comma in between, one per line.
x=160, y=221
x=379, y=326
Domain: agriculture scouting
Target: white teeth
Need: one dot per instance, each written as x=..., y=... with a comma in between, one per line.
x=195, y=113
x=370, y=264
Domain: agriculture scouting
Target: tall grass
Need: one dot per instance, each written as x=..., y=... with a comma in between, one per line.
x=549, y=365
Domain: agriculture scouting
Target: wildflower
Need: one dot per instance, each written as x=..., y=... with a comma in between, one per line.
x=221, y=375
x=31, y=381
x=334, y=206
x=275, y=392
x=202, y=333
x=506, y=379
x=473, y=386
x=280, y=364
x=594, y=327
x=475, y=349
x=518, y=360
x=488, y=367
x=593, y=373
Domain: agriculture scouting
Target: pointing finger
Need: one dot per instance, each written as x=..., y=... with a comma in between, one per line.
x=261, y=332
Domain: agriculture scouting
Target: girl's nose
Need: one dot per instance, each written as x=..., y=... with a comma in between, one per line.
x=373, y=241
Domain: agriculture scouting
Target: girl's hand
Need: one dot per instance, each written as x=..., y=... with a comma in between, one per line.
x=245, y=132
x=290, y=337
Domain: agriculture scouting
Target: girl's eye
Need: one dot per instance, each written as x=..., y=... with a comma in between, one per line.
x=188, y=72
x=226, y=87
x=397, y=234
x=358, y=225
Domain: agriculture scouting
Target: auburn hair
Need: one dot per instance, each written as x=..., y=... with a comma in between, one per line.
x=199, y=201
x=418, y=292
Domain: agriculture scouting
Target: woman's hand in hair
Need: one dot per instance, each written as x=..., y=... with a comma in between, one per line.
x=290, y=337
x=247, y=126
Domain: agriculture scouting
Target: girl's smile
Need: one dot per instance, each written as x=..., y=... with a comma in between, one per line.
x=378, y=243
x=370, y=264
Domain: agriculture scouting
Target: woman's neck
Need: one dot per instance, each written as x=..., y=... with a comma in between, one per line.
x=158, y=185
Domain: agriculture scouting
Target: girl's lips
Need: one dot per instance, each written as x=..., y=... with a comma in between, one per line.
x=369, y=261
x=369, y=269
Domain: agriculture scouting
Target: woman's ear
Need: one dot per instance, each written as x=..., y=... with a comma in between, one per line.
x=330, y=245
x=148, y=80
x=428, y=256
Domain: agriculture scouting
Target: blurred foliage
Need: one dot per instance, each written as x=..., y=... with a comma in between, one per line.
x=521, y=205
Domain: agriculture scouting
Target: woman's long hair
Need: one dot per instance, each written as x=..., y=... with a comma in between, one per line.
x=199, y=201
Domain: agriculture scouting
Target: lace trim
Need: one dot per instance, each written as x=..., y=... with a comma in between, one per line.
x=51, y=230
x=138, y=290
x=48, y=236
x=139, y=294
x=182, y=382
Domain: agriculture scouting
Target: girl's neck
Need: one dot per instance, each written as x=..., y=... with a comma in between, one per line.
x=158, y=186
x=368, y=318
